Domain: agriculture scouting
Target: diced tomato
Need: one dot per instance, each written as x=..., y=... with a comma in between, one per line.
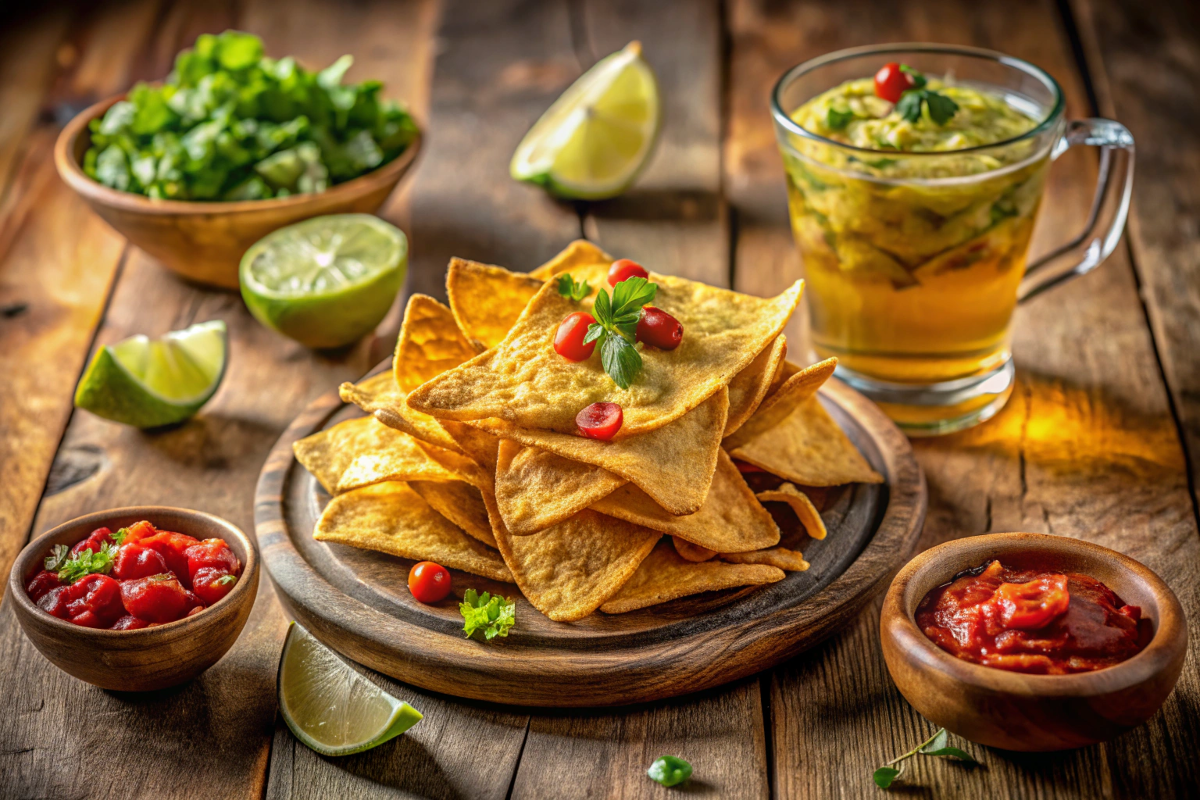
x=137, y=561
x=97, y=539
x=891, y=82
x=623, y=269
x=659, y=329
x=600, y=421
x=95, y=601
x=568, y=339
x=129, y=623
x=173, y=548
x=139, y=531
x=55, y=602
x=42, y=584
x=212, y=554
x=212, y=583
x=428, y=582
x=159, y=598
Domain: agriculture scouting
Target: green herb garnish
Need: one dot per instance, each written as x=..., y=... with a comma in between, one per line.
x=225, y=580
x=571, y=289
x=59, y=554
x=935, y=745
x=941, y=108
x=615, y=328
x=485, y=612
x=837, y=120
x=669, y=770
x=86, y=562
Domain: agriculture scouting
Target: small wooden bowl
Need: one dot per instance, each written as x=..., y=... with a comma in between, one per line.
x=1036, y=713
x=149, y=658
x=204, y=241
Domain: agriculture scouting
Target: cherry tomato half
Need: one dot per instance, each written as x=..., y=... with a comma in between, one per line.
x=94, y=601
x=623, y=269
x=158, y=598
x=428, y=582
x=600, y=421
x=659, y=329
x=891, y=82
x=97, y=539
x=42, y=584
x=136, y=561
x=568, y=340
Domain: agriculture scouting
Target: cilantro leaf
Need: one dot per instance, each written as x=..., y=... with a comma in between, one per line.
x=86, y=562
x=621, y=360
x=631, y=294
x=570, y=288
x=615, y=328
x=58, y=556
x=941, y=108
x=909, y=105
x=837, y=120
x=485, y=612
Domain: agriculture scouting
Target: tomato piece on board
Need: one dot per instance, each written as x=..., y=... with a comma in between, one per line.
x=212, y=554
x=97, y=539
x=210, y=584
x=158, y=598
x=1032, y=605
x=600, y=421
x=428, y=582
x=173, y=548
x=95, y=601
x=659, y=329
x=568, y=339
x=623, y=269
x=137, y=561
x=129, y=623
x=891, y=82
x=42, y=584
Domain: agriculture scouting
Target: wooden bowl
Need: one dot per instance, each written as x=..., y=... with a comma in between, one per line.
x=204, y=241
x=1037, y=713
x=149, y=658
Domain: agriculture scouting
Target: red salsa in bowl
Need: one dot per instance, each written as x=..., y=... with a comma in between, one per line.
x=1032, y=620
x=136, y=577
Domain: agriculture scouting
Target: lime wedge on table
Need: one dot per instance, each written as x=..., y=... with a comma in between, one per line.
x=151, y=382
x=329, y=706
x=592, y=143
x=327, y=281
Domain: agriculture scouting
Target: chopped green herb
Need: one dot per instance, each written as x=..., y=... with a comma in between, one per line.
x=225, y=580
x=837, y=120
x=935, y=745
x=615, y=328
x=489, y=613
x=669, y=770
x=86, y=562
x=570, y=288
x=917, y=78
x=57, y=558
x=941, y=108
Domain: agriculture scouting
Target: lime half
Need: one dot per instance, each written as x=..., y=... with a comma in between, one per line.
x=327, y=281
x=329, y=706
x=151, y=382
x=592, y=143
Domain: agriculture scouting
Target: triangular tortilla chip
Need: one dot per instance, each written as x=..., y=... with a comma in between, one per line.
x=578, y=254
x=487, y=300
x=794, y=391
x=665, y=575
x=523, y=381
x=380, y=397
x=692, y=552
x=328, y=453
x=481, y=446
x=750, y=386
x=809, y=448
x=730, y=520
x=809, y=517
x=567, y=570
x=430, y=343
x=781, y=557
x=536, y=488
x=392, y=518
x=403, y=459
x=674, y=465
x=464, y=468
x=459, y=502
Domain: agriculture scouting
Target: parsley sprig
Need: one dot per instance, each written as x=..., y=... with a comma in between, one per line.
x=615, y=328
x=571, y=289
x=941, y=108
x=486, y=612
x=935, y=745
x=71, y=568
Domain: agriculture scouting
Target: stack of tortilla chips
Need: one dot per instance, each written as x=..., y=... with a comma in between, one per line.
x=470, y=455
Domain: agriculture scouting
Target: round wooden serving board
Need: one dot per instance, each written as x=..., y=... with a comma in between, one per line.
x=358, y=603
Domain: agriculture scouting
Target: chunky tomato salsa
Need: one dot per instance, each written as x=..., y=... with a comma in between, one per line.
x=1032, y=620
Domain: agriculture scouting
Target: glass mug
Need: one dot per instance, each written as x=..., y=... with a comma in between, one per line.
x=915, y=262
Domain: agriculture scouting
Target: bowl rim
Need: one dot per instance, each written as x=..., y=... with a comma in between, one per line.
x=1169, y=640
x=38, y=546
x=71, y=171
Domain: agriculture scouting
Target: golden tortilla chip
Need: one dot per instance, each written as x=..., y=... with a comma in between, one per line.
x=392, y=518
x=567, y=570
x=430, y=343
x=781, y=557
x=730, y=520
x=464, y=468
x=809, y=448
x=810, y=518
x=692, y=552
x=536, y=488
x=326, y=454
x=459, y=502
x=380, y=397
x=480, y=446
x=578, y=254
x=523, y=381
x=665, y=575
x=673, y=464
x=794, y=391
x=403, y=459
x=487, y=300
x=750, y=386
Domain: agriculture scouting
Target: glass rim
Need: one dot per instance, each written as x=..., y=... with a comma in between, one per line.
x=782, y=118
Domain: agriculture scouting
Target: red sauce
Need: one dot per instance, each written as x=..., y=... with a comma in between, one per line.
x=1032, y=620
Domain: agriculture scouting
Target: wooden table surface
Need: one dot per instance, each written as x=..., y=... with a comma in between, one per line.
x=1097, y=441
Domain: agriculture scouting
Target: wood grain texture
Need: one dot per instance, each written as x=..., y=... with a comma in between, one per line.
x=1085, y=448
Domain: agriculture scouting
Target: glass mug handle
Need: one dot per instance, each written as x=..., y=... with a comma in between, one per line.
x=1110, y=206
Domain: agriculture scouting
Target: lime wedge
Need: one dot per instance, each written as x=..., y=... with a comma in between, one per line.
x=327, y=281
x=592, y=143
x=329, y=706
x=151, y=382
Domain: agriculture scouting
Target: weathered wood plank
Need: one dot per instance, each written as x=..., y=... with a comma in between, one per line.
x=1085, y=448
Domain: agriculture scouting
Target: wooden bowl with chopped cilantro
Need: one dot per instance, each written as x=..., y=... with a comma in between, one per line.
x=230, y=146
